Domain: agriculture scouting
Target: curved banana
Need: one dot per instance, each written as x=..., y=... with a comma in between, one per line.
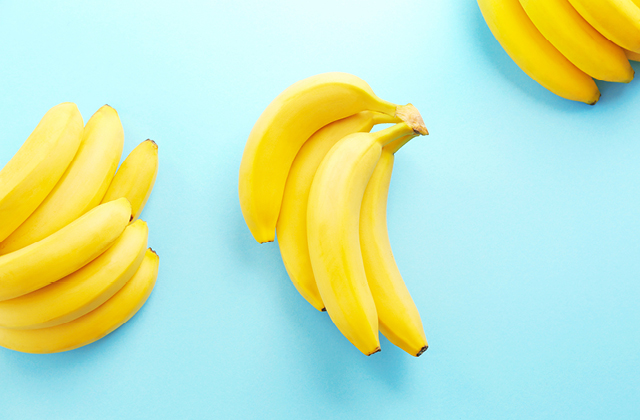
x=36, y=168
x=282, y=129
x=82, y=186
x=292, y=221
x=60, y=254
x=534, y=54
x=633, y=56
x=333, y=233
x=136, y=177
x=585, y=47
x=94, y=325
x=618, y=20
x=82, y=291
x=398, y=317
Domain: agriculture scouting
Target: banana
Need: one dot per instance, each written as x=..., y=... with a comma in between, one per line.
x=333, y=232
x=60, y=254
x=82, y=291
x=94, y=325
x=82, y=186
x=136, y=177
x=534, y=54
x=292, y=221
x=398, y=317
x=617, y=20
x=36, y=168
x=633, y=56
x=585, y=47
x=282, y=129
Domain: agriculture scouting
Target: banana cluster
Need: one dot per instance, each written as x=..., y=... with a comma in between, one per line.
x=314, y=173
x=565, y=44
x=74, y=263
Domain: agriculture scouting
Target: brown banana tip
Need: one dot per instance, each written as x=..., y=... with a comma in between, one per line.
x=422, y=350
x=375, y=351
x=153, y=142
x=151, y=249
x=131, y=219
x=323, y=310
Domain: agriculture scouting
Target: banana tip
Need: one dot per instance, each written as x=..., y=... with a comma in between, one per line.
x=151, y=249
x=422, y=350
x=108, y=108
x=153, y=142
x=630, y=78
x=377, y=350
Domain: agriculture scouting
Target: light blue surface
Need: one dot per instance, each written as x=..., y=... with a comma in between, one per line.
x=516, y=223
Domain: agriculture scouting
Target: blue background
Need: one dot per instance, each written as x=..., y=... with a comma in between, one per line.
x=515, y=223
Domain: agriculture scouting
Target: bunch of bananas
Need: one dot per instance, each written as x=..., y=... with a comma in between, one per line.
x=563, y=44
x=313, y=172
x=74, y=263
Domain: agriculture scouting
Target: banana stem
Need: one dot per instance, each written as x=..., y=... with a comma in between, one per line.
x=379, y=118
x=395, y=145
x=395, y=132
x=410, y=114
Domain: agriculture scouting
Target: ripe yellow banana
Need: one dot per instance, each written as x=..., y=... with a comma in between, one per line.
x=60, y=254
x=282, y=129
x=633, y=56
x=618, y=20
x=36, y=168
x=292, y=221
x=398, y=317
x=82, y=291
x=534, y=54
x=94, y=325
x=577, y=40
x=333, y=232
x=136, y=177
x=82, y=186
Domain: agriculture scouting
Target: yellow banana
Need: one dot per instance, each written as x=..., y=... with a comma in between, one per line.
x=136, y=177
x=333, y=232
x=60, y=254
x=82, y=291
x=633, y=56
x=534, y=54
x=618, y=20
x=292, y=221
x=94, y=325
x=284, y=126
x=398, y=317
x=585, y=47
x=82, y=186
x=36, y=168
